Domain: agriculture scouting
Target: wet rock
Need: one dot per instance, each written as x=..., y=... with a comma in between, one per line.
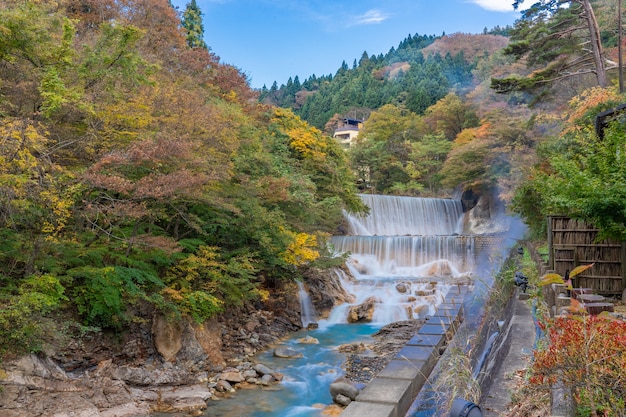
x=341, y=386
x=342, y=400
x=267, y=379
x=285, y=352
x=263, y=370
x=249, y=373
x=402, y=288
x=363, y=312
x=308, y=340
x=325, y=290
x=223, y=386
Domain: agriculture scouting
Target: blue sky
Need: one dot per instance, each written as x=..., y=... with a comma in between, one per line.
x=272, y=40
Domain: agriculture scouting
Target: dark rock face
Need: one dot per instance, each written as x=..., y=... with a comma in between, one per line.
x=469, y=199
x=486, y=216
x=325, y=291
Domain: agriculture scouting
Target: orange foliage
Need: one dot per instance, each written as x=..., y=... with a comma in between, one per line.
x=589, y=100
x=472, y=46
x=392, y=71
x=468, y=135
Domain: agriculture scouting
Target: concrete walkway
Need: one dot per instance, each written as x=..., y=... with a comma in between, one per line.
x=515, y=357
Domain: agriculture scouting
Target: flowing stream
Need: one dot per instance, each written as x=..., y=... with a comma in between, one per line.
x=403, y=257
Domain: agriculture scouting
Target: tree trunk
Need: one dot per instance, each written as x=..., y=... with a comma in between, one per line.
x=596, y=43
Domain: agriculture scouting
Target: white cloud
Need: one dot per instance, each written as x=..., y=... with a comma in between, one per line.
x=370, y=17
x=495, y=5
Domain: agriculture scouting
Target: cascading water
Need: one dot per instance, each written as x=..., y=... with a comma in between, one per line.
x=398, y=216
x=403, y=257
x=308, y=314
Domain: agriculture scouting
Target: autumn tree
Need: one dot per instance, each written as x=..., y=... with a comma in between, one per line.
x=382, y=150
x=450, y=116
x=425, y=162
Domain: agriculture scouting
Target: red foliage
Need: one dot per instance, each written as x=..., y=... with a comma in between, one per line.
x=588, y=355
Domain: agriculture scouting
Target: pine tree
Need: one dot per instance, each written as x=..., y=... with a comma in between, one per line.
x=192, y=22
x=559, y=39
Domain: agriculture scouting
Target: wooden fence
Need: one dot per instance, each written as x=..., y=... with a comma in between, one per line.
x=572, y=242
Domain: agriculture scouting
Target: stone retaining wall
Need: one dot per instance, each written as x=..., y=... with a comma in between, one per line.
x=393, y=390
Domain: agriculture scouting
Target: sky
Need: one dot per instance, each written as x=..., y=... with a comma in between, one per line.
x=273, y=40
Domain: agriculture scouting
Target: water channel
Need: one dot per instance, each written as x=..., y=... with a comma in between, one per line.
x=403, y=258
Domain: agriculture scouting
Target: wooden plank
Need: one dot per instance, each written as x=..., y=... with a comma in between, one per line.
x=576, y=230
x=585, y=261
x=612, y=278
x=550, y=241
x=611, y=254
x=586, y=245
x=623, y=266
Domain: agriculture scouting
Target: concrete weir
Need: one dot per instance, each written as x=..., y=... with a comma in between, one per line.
x=393, y=390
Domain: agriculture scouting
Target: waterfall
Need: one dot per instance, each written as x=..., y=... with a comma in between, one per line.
x=308, y=314
x=403, y=257
x=398, y=216
x=401, y=266
x=407, y=255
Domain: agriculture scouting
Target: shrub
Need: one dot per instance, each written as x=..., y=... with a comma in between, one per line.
x=22, y=314
x=588, y=355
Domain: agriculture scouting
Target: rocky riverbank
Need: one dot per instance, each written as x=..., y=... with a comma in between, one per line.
x=161, y=365
x=156, y=365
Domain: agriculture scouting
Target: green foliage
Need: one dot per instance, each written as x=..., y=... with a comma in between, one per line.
x=581, y=176
x=557, y=40
x=104, y=295
x=374, y=82
x=205, y=282
x=114, y=59
x=192, y=22
x=22, y=313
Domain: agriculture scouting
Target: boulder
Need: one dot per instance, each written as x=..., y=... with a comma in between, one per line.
x=262, y=369
x=402, y=288
x=342, y=400
x=286, y=352
x=232, y=377
x=167, y=336
x=308, y=340
x=341, y=386
x=363, y=312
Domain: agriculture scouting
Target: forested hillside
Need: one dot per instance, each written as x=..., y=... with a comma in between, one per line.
x=137, y=170
x=416, y=74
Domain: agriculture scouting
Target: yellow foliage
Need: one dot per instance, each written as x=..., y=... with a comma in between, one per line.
x=172, y=294
x=264, y=295
x=302, y=249
x=307, y=140
x=586, y=101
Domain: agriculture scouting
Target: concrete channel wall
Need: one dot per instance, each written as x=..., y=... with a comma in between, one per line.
x=393, y=390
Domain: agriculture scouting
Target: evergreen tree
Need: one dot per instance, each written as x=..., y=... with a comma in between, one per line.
x=192, y=22
x=559, y=39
